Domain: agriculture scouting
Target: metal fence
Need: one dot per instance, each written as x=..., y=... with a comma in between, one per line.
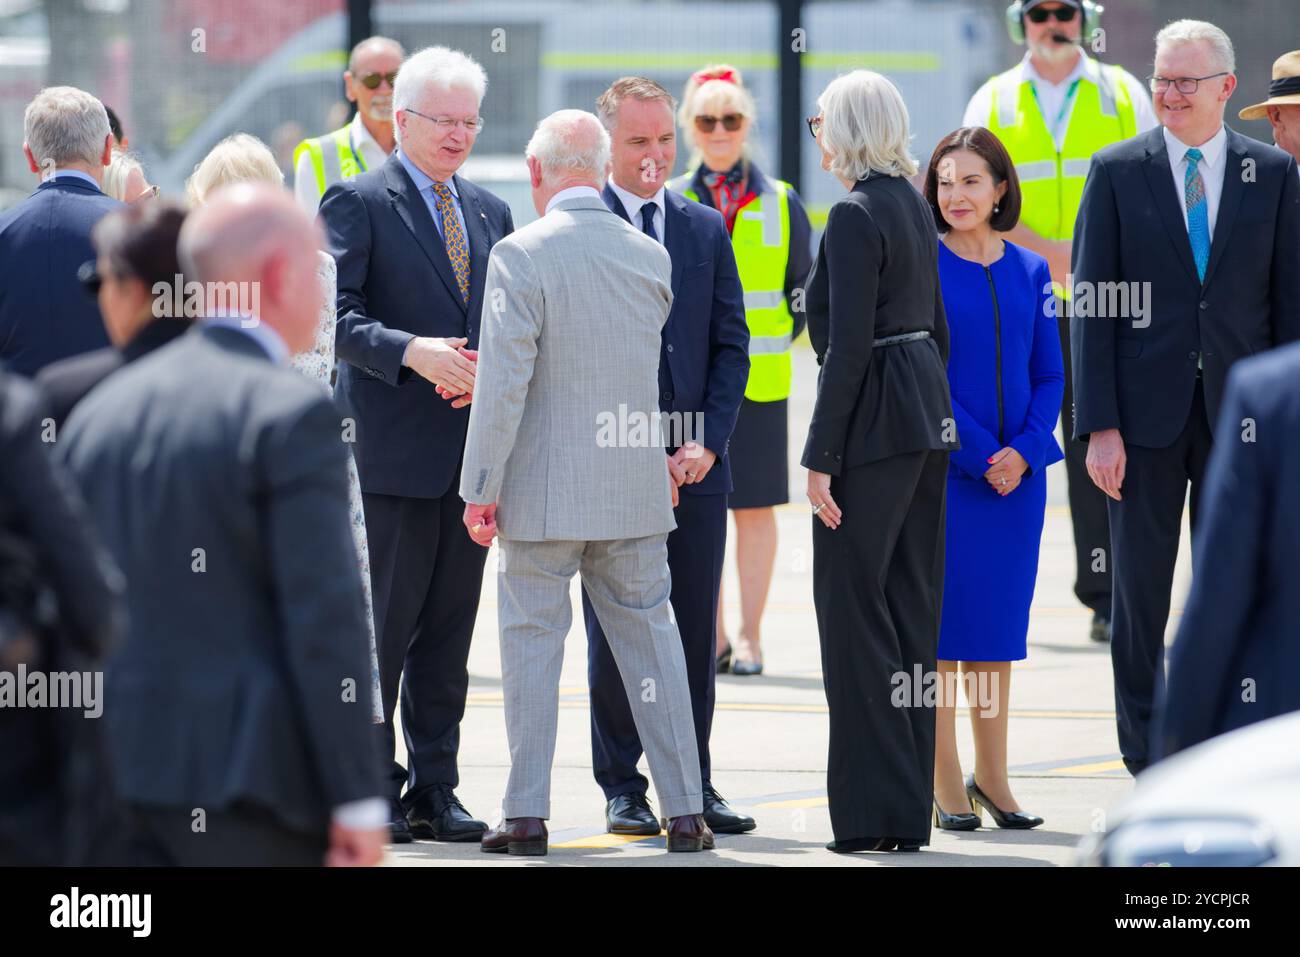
x=182, y=74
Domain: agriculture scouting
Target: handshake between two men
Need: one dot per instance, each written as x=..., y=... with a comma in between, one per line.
x=452, y=368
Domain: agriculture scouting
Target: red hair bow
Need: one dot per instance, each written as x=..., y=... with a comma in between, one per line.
x=726, y=76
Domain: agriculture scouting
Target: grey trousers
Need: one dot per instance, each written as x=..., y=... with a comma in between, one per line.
x=629, y=584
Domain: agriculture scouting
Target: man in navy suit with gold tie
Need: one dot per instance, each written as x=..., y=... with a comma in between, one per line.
x=703, y=368
x=1205, y=251
x=412, y=240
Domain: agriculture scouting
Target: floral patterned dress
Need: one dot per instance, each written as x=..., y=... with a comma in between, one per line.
x=318, y=363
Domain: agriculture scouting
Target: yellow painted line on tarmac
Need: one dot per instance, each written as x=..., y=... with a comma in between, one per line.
x=1098, y=767
x=607, y=840
x=497, y=698
x=794, y=803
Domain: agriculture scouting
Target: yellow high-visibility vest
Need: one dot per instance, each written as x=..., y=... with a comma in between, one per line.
x=1051, y=180
x=332, y=158
x=761, y=241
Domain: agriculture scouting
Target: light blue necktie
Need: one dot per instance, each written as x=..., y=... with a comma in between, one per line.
x=1198, y=213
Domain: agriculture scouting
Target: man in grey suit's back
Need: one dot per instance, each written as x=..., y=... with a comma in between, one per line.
x=564, y=459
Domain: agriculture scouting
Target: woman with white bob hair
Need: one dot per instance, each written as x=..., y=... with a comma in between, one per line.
x=877, y=460
x=243, y=158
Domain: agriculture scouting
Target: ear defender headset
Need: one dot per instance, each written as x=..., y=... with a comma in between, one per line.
x=1091, y=14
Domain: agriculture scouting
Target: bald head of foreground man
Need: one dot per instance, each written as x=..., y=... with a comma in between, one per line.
x=254, y=236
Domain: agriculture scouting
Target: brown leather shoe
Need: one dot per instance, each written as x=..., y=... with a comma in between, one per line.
x=689, y=833
x=517, y=835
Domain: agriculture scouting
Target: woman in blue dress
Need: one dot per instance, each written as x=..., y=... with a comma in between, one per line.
x=1007, y=380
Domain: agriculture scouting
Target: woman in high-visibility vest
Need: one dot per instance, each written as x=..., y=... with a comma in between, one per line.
x=772, y=239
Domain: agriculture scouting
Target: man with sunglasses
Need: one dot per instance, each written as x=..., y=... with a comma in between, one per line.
x=1052, y=111
x=1203, y=224
x=365, y=142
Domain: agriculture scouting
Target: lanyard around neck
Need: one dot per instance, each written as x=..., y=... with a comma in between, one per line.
x=1065, y=106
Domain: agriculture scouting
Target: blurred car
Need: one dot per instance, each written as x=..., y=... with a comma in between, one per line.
x=1228, y=802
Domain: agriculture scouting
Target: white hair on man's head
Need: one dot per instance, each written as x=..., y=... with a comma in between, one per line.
x=865, y=126
x=1193, y=31
x=436, y=68
x=64, y=125
x=570, y=142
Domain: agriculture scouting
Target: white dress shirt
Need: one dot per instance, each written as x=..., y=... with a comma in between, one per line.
x=1051, y=98
x=366, y=147
x=573, y=192
x=1213, y=166
x=632, y=204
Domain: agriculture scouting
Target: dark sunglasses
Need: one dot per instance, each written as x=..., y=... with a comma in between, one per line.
x=730, y=123
x=371, y=81
x=1062, y=14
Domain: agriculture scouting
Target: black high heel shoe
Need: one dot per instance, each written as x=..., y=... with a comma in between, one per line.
x=961, y=821
x=723, y=660
x=1014, y=820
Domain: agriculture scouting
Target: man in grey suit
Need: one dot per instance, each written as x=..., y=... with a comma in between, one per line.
x=238, y=704
x=565, y=461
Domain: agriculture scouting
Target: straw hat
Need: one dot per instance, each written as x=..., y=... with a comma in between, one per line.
x=1283, y=91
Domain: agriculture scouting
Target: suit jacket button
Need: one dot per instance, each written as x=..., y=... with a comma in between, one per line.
x=1192, y=354
x=1204, y=304
x=670, y=347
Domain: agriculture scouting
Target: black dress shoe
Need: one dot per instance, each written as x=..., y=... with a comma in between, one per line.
x=630, y=814
x=1015, y=820
x=399, y=831
x=436, y=814
x=722, y=819
x=1100, y=629
x=854, y=844
x=961, y=821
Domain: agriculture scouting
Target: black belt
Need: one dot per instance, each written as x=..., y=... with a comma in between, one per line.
x=905, y=337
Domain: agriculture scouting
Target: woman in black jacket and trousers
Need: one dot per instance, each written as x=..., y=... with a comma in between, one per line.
x=877, y=455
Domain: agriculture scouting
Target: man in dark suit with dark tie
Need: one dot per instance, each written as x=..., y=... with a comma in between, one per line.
x=1185, y=261
x=412, y=240
x=238, y=705
x=1236, y=658
x=44, y=240
x=703, y=368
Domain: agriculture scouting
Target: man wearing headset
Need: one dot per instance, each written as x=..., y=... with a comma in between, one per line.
x=1052, y=111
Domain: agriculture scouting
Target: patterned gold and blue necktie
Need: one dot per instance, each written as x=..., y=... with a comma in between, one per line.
x=453, y=238
x=1198, y=213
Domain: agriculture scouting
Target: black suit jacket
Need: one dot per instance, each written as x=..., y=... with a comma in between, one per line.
x=395, y=283
x=704, y=352
x=1236, y=659
x=45, y=315
x=1139, y=376
x=219, y=482
x=54, y=795
x=877, y=275
x=66, y=382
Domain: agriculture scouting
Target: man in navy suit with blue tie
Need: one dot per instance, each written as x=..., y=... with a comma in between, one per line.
x=412, y=239
x=45, y=315
x=1198, y=227
x=703, y=367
